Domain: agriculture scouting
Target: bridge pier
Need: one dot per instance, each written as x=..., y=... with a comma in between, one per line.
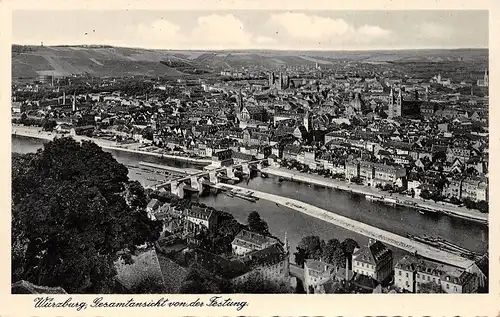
x=194, y=182
x=230, y=172
x=177, y=189
x=245, y=169
x=173, y=188
x=212, y=177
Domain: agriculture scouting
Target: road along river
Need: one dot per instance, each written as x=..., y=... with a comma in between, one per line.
x=395, y=219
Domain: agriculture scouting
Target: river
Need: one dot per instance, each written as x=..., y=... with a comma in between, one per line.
x=400, y=220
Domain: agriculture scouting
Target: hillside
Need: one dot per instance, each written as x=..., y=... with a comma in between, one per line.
x=30, y=61
x=101, y=61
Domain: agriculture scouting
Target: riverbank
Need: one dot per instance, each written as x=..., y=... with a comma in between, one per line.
x=387, y=237
x=37, y=133
x=399, y=220
x=368, y=191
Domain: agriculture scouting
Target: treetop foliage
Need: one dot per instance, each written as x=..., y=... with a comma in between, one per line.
x=73, y=209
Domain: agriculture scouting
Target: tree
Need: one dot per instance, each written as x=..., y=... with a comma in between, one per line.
x=136, y=196
x=349, y=245
x=24, y=118
x=147, y=133
x=425, y=194
x=73, y=210
x=229, y=228
x=300, y=257
x=257, y=284
x=257, y=224
x=412, y=193
x=149, y=284
x=48, y=125
x=388, y=187
x=200, y=281
x=328, y=253
x=312, y=246
x=439, y=156
x=338, y=257
x=357, y=180
x=482, y=206
x=469, y=203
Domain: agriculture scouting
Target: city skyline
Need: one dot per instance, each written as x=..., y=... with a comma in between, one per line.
x=255, y=30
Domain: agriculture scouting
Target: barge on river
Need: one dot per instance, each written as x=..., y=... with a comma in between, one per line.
x=445, y=245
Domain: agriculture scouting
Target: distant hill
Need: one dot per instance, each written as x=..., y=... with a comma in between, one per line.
x=29, y=61
x=97, y=61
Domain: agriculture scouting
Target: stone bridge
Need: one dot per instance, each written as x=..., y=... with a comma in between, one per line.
x=196, y=183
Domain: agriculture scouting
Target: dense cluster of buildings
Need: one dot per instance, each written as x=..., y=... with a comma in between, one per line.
x=382, y=130
x=426, y=137
x=183, y=231
x=371, y=270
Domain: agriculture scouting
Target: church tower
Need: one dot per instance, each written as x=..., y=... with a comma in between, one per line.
x=486, y=77
x=308, y=121
x=391, y=104
x=240, y=101
x=271, y=79
x=74, y=102
x=399, y=104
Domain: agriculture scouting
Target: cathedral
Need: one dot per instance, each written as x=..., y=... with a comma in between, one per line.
x=400, y=107
x=281, y=82
x=483, y=82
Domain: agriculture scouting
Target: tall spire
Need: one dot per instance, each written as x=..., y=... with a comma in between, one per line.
x=240, y=101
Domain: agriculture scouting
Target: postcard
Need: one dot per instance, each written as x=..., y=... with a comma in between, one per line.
x=250, y=158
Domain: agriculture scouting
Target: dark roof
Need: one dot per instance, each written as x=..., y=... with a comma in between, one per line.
x=318, y=266
x=265, y=257
x=373, y=254
x=379, y=250
x=445, y=272
x=365, y=282
x=25, y=287
x=201, y=213
x=483, y=264
x=242, y=156
x=252, y=237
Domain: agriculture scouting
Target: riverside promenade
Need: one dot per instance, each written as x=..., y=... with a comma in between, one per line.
x=401, y=200
x=38, y=133
x=387, y=237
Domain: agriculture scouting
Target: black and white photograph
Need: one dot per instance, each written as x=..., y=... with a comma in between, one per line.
x=249, y=152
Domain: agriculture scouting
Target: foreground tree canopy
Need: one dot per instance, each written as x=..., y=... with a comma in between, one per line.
x=332, y=251
x=73, y=209
x=257, y=224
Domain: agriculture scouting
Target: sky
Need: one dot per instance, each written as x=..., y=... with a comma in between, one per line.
x=245, y=29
